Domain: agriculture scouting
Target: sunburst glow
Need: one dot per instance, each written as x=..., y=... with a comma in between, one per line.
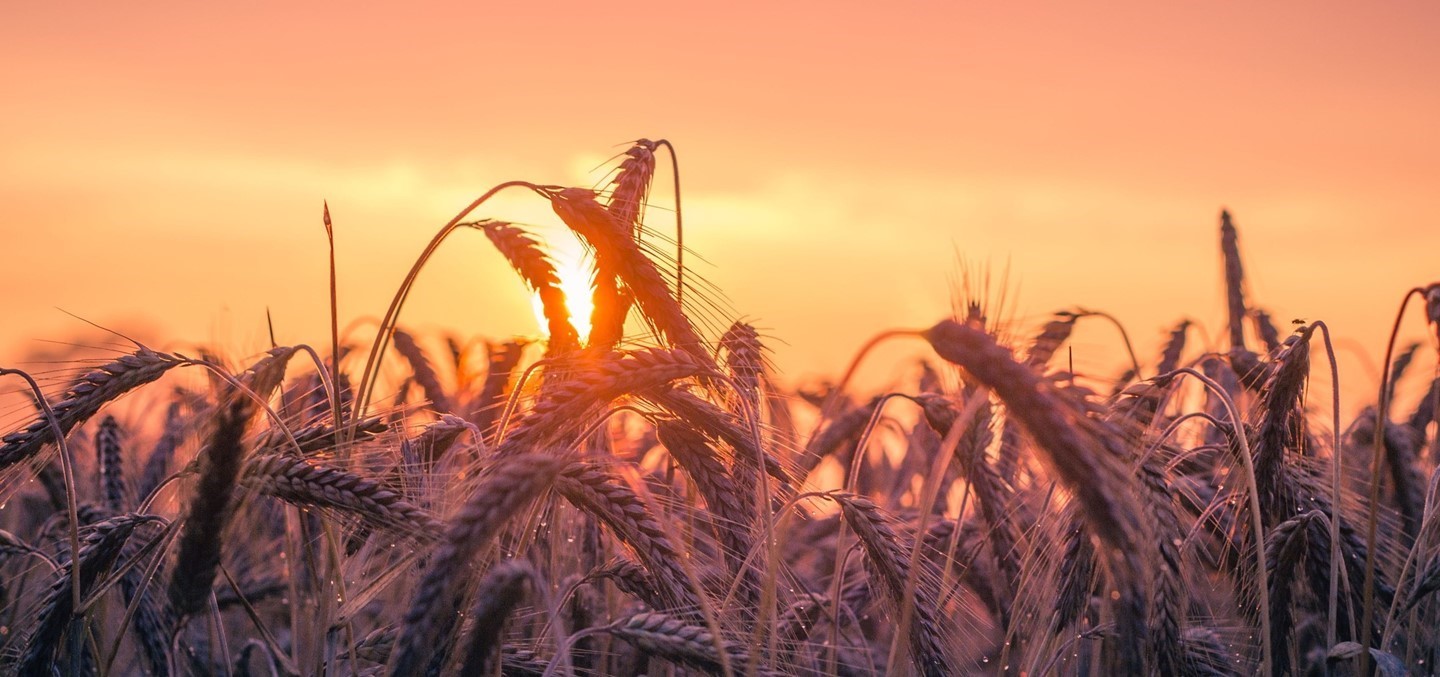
x=574, y=270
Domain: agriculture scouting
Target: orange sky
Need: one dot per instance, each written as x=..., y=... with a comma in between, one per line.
x=167, y=161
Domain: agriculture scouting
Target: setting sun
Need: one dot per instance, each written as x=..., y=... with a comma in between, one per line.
x=573, y=268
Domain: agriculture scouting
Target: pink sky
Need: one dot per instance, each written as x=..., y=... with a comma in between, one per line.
x=167, y=162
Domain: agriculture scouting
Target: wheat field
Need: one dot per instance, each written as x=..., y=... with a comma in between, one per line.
x=638, y=493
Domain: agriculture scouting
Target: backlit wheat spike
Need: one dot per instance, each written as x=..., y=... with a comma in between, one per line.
x=304, y=482
x=674, y=640
x=422, y=370
x=1234, y=280
x=744, y=357
x=579, y=210
x=109, y=458
x=1083, y=458
x=535, y=267
x=157, y=466
x=503, y=589
x=99, y=550
x=507, y=488
x=889, y=558
x=1051, y=337
x=85, y=397
x=597, y=382
x=592, y=489
x=611, y=302
x=210, y=509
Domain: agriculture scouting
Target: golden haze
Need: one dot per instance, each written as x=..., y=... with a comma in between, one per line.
x=169, y=161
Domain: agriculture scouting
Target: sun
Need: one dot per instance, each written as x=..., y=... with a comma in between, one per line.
x=574, y=271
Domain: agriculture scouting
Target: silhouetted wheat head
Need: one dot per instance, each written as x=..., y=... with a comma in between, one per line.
x=651, y=499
